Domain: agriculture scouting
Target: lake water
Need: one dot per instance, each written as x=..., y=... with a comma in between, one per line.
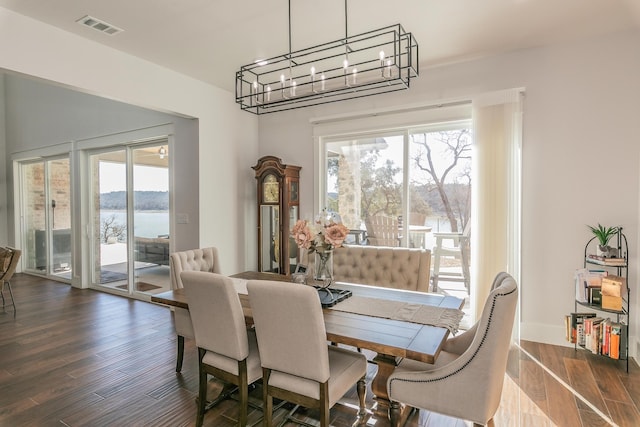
x=154, y=224
x=146, y=224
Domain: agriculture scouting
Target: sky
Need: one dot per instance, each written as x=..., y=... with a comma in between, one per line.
x=146, y=178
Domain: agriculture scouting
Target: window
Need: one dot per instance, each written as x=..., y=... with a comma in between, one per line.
x=362, y=172
x=417, y=178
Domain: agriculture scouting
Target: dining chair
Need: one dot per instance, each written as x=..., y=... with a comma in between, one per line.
x=8, y=263
x=204, y=259
x=466, y=379
x=454, y=245
x=298, y=364
x=225, y=349
x=382, y=230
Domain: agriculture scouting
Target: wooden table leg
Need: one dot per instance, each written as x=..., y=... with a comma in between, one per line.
x=386, y=366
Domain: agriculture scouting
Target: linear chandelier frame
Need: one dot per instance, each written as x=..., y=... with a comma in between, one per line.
x=378, y=61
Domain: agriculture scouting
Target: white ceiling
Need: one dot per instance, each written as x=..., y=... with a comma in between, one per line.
x=210, y=39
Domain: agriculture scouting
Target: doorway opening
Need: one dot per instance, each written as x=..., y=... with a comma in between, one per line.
x=46, y=217
x=131, y=218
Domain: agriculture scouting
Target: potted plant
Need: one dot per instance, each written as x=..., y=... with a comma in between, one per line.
x=604, y=234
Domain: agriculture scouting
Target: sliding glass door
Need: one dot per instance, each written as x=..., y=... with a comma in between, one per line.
x=130, y=205
x=151, y=219
x=46, y=217
x=110, y=220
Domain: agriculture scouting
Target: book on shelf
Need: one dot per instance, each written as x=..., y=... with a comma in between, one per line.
x=575, y=326
x=591, y=333
x=614, y=343
x=605, y=337
x=580, y=317
x=618, y=341
x=586, y=280
x=600, y=260
x=601, y=336
x=623, y=341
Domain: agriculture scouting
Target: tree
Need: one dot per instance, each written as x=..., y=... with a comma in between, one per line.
x=111, y=228
x=454, y=191
x=381, y=194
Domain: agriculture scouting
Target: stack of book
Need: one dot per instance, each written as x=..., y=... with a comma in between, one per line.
x=600, y=260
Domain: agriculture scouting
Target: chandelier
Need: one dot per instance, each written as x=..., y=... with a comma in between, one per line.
x=371, y=63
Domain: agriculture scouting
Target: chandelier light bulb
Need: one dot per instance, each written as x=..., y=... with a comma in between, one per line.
x=345, y=64
x=388, y=68
x=282, y=80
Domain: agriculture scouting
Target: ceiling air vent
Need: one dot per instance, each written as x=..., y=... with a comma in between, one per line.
x=99, y=25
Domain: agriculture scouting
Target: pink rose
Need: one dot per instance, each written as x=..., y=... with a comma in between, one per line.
x=335, y=234
x=301, y=234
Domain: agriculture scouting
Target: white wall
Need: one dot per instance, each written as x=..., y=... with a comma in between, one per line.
x=228, y=137
x=580, y=156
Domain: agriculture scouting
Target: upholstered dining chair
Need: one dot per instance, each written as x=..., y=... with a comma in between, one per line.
x=298, y=364
x=466, y=380
x=225, y=349
x=8, y=264
x=204, y=259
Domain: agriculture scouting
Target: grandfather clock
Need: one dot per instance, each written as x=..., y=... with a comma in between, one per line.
x=278, y=210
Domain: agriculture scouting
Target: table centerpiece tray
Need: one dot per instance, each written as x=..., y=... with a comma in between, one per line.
x=331, y=296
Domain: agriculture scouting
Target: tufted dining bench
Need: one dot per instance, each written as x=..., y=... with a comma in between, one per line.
x=399, y=268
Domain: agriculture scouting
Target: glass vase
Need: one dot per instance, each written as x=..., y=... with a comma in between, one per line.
x=324, y=267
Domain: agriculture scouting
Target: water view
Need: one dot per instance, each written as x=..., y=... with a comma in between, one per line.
x=146, y=224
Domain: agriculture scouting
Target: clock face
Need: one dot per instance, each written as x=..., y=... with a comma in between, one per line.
x=270, y=189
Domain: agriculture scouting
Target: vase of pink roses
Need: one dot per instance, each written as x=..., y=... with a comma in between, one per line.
x=320, y=238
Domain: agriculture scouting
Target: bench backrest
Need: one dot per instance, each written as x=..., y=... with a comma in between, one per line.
x=399, y=268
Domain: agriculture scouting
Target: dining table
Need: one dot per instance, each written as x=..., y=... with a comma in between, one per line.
x=391, y=339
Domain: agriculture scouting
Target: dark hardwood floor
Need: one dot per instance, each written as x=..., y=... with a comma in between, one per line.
x=74, y=357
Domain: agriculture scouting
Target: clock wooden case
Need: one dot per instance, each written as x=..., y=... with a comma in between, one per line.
x=278, y=201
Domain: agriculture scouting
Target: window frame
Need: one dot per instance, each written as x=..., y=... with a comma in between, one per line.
x=320, y=192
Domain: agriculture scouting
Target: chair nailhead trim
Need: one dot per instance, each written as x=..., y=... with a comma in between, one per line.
x=493, y=304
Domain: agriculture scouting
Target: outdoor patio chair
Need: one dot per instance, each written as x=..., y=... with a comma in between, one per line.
x=9, y=258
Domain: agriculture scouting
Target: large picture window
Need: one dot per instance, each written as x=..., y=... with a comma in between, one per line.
x=399, y=188
x=454, y=181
